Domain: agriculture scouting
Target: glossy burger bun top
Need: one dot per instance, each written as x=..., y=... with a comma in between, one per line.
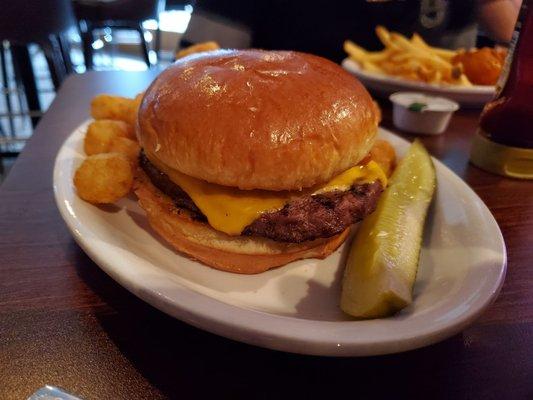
x=253, y=119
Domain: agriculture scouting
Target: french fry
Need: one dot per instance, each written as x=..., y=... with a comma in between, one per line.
x=435, y=78
x=370, y=66
x=417, y=40
x=385, y=38
x=402, y=42
x=366, y=59
x=447, y=54
x=355, y=51
x=402, y=57
x=463, y=80
x=377, y=56
x=412, y=59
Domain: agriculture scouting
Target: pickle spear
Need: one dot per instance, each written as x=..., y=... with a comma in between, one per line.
x=383, y=260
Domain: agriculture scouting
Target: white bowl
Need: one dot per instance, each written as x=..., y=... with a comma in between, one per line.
x=419, y=113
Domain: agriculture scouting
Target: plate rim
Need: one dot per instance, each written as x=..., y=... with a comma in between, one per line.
x=209, y=314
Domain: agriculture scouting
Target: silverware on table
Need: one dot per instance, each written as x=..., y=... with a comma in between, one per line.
x=49, y=392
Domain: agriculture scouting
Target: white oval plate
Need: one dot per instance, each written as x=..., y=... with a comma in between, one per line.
x=295, y=308
x=383, y=85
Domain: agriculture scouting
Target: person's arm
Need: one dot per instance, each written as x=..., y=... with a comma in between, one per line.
x=498, y=18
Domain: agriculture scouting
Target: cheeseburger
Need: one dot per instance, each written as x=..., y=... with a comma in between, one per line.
x=252, y=159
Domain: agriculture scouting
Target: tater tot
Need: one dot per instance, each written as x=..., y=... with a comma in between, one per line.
x=105, y=106
x=104, y=178
x=383, y=153
x=100, y=133
x=127, y=147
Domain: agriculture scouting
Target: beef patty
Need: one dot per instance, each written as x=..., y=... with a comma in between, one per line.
x=305, y=218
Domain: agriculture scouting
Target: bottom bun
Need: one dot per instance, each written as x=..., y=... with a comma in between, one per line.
x=239, y=254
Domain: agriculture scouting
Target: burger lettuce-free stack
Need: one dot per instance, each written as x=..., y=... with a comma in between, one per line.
x=253, y=159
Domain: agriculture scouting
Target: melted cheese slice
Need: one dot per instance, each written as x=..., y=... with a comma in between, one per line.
x=230, y=210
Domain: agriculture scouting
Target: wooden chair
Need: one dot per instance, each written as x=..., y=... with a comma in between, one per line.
x=117, y=14
x=42, y=22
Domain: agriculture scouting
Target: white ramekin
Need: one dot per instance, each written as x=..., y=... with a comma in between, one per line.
x=432, y=119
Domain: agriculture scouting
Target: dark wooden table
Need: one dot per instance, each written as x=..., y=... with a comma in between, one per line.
x=65, y=322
